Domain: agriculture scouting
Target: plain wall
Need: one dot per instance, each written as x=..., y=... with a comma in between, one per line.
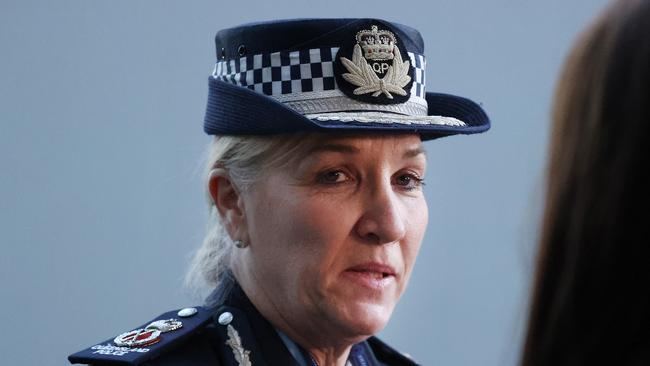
x=101, y=199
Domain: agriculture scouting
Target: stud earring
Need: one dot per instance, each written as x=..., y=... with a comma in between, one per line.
x=240, y=244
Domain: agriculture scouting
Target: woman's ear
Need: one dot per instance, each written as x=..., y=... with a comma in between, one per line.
x=228, y=201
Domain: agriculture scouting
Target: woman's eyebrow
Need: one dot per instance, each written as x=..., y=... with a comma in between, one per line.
x=411, y=153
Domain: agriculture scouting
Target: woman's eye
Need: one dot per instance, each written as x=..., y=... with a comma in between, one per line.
x=332, y=177
x=409, y=181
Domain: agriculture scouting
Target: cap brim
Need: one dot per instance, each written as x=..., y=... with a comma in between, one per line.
x=236, y=110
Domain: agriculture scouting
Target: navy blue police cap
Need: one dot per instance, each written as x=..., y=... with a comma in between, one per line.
x=329, y=75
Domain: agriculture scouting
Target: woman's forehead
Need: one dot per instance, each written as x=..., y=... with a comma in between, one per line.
x=357, y=141
x=376, y=147
x=302, y=148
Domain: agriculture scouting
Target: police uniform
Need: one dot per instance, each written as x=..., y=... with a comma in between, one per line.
x=231, y=332
x=303, y=75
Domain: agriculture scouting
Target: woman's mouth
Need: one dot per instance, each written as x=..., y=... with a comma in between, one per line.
x=372, y=275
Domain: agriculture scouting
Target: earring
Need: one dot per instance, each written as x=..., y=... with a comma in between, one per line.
x=240, y=243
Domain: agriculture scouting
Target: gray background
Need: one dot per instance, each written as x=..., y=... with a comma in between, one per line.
x=101, y=106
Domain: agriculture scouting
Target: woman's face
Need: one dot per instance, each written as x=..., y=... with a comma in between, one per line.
x=334, y=237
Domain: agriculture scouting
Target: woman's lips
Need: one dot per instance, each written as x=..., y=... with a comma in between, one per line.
x=375, y=276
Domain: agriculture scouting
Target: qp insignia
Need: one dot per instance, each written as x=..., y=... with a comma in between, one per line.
x=374, y=67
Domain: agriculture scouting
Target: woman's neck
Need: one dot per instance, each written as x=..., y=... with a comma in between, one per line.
x=330, y=356
x=321, y=356
x=325, y=349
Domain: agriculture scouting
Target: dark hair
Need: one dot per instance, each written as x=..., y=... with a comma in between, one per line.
x=591, y=301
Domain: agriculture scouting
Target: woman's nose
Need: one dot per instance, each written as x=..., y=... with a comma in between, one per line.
x=382, y=220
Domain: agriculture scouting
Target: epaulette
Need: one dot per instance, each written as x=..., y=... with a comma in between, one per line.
x=388, y=355
x=148, y=341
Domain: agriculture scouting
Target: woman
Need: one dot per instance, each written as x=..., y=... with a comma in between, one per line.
x=591, y=302
x=315, y=190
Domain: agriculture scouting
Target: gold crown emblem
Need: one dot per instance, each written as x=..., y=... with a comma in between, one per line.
x=376, y=44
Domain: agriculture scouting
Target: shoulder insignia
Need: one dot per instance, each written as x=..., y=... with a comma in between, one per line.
x=147, y=341
x=389, y=355
x=231, y=322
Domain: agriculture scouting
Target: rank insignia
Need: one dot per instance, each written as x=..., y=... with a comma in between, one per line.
x=165, y=325
x=138, y=338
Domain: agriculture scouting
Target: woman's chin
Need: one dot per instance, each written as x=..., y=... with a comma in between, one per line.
x=364, y=318
x=359, y=310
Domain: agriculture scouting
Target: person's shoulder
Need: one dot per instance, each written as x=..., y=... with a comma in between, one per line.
x=175, y=337
x=387, y=355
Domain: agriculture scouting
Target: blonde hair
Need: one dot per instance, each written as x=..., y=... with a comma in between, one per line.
x=246, y=159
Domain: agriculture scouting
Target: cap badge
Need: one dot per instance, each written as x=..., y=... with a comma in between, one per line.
x=234, y=341
x=379, y=46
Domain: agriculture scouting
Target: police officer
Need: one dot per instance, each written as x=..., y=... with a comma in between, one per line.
x=316, y=206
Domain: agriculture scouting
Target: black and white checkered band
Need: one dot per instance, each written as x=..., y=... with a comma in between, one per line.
x=304, y=80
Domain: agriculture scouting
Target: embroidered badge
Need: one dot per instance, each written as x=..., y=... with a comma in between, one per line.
x=234, y=341
x=376, y=71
